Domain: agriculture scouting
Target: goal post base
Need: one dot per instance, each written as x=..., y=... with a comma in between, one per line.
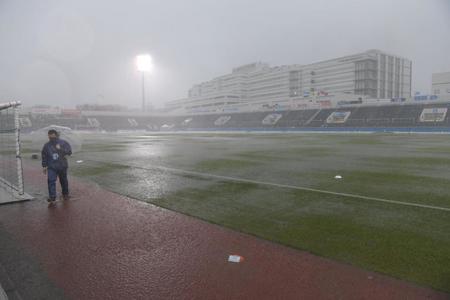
x=8, y=195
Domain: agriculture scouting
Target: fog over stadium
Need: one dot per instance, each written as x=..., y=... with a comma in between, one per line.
x=225, y=149
x=73, y=52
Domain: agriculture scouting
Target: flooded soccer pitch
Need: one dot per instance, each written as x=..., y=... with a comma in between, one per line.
x=389, y=212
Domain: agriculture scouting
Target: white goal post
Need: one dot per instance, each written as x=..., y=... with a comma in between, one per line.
x=11, y=173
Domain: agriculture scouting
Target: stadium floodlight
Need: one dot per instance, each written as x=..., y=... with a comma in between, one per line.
x=144, y=64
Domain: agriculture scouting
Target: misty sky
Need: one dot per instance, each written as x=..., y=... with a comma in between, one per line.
x=72, y=52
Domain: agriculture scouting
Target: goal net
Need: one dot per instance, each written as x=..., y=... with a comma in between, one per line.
x=11, y=180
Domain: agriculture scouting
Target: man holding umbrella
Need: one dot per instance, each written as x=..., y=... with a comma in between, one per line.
x=55, y=164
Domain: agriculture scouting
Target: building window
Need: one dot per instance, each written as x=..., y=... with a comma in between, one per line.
x=437, y=92
x=448, y=91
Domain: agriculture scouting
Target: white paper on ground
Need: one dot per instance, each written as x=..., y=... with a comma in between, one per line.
x=235, y=258
x=338, y=177
x=79, y=161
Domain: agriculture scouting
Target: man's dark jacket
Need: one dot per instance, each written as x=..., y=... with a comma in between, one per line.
x=54, y=158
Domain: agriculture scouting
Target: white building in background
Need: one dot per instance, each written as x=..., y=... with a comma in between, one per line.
x=440, y=85
x=371, y=74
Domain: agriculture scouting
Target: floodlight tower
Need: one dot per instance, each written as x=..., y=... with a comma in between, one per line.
x=144, y=65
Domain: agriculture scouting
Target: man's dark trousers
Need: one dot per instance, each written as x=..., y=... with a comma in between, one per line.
x=51, y=179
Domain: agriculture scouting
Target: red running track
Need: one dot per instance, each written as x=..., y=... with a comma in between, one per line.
x=105, y=246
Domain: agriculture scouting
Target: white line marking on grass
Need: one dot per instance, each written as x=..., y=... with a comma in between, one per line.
x=280, y=185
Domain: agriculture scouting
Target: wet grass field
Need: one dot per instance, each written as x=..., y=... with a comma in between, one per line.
x=282, y=187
